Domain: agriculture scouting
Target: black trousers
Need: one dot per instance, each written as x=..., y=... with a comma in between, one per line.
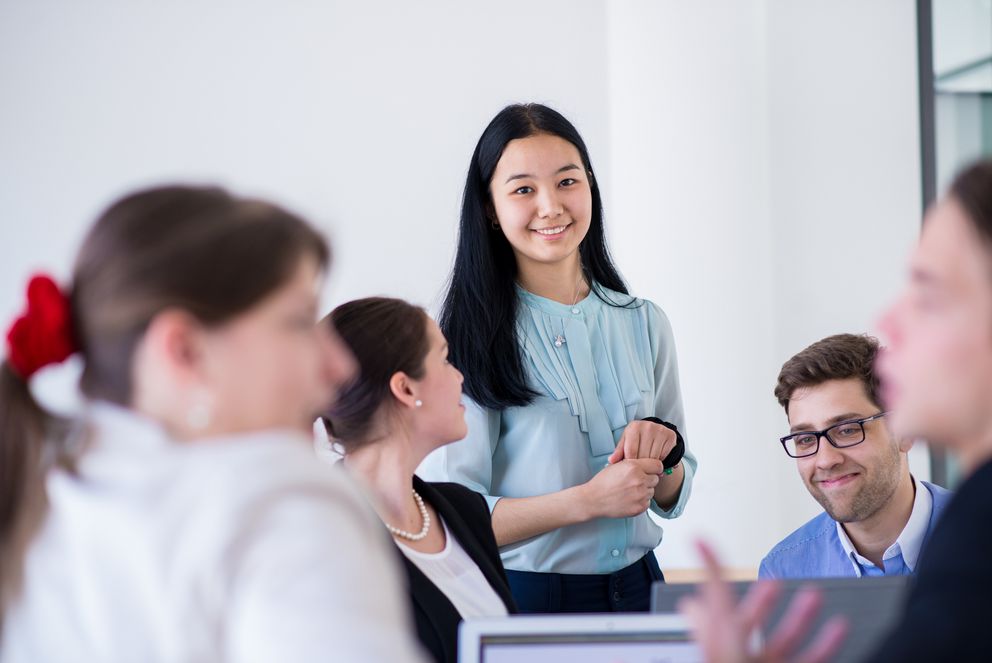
x=627, y=590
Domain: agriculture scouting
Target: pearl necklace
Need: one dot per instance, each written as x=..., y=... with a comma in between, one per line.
x=419, y=536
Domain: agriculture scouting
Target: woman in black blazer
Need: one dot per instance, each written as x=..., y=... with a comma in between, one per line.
x=405, y=404
x=467, y=516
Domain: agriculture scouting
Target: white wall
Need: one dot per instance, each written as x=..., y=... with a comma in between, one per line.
x=362, y=115
x=730, y=137
x=844, y=171
x=691, y=230
x=766, y=193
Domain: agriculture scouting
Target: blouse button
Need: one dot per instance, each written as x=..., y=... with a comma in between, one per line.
x=615, y=552
x=576, y=311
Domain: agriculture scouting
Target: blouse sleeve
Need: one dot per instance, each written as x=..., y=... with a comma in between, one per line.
x=668, y=400
x=469, y=461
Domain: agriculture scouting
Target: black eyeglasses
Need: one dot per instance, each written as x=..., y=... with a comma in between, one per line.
x=842, y=435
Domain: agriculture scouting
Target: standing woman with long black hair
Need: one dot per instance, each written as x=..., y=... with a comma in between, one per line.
x=575, y=418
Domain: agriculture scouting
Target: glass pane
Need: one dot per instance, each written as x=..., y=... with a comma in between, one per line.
x=961, y=34
x=962, y=68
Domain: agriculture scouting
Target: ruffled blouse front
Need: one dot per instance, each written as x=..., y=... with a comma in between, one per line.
x=597, y=365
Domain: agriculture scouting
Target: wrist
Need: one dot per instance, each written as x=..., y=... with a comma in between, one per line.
x=666, y=494
x=671, y=472
x=585, y=503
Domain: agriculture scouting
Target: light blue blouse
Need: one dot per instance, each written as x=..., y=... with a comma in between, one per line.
x=611, y=365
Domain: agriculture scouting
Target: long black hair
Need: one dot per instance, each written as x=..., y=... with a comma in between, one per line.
x=478, y=316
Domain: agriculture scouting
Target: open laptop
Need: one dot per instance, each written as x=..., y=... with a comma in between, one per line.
x=577, y=639
x=872, y=607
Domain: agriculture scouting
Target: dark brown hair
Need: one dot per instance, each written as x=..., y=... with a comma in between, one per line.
x=839, y=357
x=972, y=189
x=201, y=250
x=386, y=336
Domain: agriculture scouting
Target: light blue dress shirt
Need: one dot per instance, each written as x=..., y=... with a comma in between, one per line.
x=597, y=367
x=900, y=558
x=820, y=549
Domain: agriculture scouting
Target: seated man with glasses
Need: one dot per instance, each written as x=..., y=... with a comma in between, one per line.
x=876, y=517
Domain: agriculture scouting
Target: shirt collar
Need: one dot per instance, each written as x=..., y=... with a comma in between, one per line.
x=120, y=427
x=585, y=305
x=910, y=540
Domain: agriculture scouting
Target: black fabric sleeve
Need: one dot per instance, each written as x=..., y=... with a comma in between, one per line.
x=948, y=615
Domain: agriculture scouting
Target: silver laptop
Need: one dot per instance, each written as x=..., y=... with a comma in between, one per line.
x=577, y=639
x=872, y=607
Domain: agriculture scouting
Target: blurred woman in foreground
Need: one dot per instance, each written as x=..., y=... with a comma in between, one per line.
x=184, y=517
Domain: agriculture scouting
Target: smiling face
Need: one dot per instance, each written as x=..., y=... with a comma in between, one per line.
x=937, y=372
x=854, y=483
x=542, y=199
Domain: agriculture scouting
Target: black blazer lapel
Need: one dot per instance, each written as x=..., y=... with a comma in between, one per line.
x=467, y=517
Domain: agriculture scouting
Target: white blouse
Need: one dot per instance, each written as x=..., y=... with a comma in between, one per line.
x=459, y=578
x=243, y=548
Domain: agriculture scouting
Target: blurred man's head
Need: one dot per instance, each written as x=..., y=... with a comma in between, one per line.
x=845, y=453
x=937, y=370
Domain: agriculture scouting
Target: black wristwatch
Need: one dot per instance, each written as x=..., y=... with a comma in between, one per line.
x=674, y=456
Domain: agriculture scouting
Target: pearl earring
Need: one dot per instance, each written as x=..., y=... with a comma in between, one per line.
x=418, y=403
x=200, y=411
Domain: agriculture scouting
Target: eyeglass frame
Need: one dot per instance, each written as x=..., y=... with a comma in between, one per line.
x=823, y=433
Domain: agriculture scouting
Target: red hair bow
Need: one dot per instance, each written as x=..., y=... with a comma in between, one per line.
x=43, y=334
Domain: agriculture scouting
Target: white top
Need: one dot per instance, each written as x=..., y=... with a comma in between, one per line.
x=910, y=539
x=236, y=549
x=459, y=578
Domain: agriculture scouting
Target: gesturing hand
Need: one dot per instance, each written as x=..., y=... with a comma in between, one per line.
x=723, y=628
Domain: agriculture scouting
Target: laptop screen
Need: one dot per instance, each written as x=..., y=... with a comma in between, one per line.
x=590, y=638
x=872, y=607
x=589, y=647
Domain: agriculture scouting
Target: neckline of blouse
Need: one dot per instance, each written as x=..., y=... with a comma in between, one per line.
x=584, y=305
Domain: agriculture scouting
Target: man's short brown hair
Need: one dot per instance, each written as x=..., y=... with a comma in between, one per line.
x=839, y=357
